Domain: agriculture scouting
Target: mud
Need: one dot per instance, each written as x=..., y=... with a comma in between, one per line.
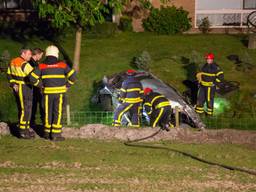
x=186, y=135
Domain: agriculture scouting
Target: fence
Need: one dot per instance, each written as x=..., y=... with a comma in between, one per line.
x=223, y=122
x=224, y=18
x=245, y=121
x=89, y=117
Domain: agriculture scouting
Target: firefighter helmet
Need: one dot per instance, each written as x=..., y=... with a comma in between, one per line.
x=52, y=50
x=147, y=90
x=209, y=56
x=130, y=72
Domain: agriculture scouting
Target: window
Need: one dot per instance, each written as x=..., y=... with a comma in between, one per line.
x=219, y=4
x=249, y=4
x=9, y=4
x=15, y=4
x=224, y=13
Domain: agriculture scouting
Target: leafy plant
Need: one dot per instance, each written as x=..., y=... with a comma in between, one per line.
x=125, y=23
x=167, y=20
x=204, y=25
x=142, y=61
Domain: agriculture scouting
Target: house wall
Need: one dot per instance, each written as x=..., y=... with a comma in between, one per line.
x=188, y=5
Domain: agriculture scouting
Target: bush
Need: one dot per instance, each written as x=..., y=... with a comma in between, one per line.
x=142, y=61
x=204, y=25
x=167, y=20
x=125, y=23
x=105, y=29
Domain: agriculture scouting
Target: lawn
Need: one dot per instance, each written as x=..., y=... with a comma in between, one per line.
x=91, y=165
x=106, y=55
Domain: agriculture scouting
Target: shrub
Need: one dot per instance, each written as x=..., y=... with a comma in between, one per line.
x=167, y=20
x=204, y=25
x=125, y=23
x=142, y=61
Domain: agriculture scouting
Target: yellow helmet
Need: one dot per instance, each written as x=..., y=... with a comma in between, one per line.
x=52, y=50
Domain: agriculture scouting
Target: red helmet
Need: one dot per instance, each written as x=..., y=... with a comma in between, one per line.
x=130, y=71
x=147, y=90
x=209, y=56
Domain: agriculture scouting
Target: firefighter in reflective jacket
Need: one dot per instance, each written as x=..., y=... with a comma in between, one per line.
x=54, y=77
x=158, y=108
x=131, y=98
x=17, y=74
x=209, y=77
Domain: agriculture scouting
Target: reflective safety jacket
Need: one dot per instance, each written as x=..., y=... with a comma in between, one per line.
x=18, y=71
x=131, y=90
x=155, y=101
x=210, y=75
x=53, y=76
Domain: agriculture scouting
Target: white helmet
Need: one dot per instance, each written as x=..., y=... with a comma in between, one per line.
x=52, y=51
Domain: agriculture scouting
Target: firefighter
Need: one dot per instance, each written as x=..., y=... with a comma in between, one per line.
x=37, y=55
x=131, y=99
x=54, y=77
x=17, y=74
x=158, y=108
x=209, y=77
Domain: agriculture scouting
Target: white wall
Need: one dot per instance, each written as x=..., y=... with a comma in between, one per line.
x=219, y=4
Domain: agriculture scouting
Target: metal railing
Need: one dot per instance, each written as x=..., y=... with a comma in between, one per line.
x=246, y=122
x=224, y=121
x=89, y=117
x=224, y=18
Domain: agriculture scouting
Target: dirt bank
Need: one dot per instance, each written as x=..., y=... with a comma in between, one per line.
x=103, y=132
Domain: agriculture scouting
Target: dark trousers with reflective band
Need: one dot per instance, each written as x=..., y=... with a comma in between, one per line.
x=132, y=108
x=37, y=101
x=24, y=99
x=205, y=94
x=161, y=116
x=53, y=106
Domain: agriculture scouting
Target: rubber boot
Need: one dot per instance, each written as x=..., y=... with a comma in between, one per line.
x=31, y=133
x=24, y=134
x=165, y=127
x=46, y=136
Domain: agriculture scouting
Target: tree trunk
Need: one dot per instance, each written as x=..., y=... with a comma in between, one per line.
x=77, y=49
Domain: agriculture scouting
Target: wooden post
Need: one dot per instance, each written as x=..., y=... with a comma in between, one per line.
x=68, y=115
x=252, y=41
x=177, y=117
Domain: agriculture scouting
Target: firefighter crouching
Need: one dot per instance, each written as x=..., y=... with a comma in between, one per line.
x=17, y=74
x=131, y=98
x=209, y=77
x=158, y=108
x=54, y=77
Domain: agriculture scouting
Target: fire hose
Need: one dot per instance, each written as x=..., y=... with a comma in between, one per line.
x=135, y=143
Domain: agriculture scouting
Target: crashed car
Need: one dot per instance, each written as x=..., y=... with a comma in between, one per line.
x=107, y=97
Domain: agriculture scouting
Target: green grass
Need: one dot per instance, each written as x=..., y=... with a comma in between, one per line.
x=105, y=56
x=111, y=166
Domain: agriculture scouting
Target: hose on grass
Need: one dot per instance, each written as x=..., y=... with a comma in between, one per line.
x=134, y=143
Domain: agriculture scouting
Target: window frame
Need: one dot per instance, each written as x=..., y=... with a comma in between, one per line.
x=249, y=7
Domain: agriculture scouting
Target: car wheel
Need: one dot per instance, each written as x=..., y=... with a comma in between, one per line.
x=106, y=102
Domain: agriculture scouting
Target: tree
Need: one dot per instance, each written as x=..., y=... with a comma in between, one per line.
x=75, y=13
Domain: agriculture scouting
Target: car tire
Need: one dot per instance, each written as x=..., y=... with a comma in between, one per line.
x=106, y=102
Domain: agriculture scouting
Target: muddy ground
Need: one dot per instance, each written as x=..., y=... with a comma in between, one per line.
x=186, y=135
